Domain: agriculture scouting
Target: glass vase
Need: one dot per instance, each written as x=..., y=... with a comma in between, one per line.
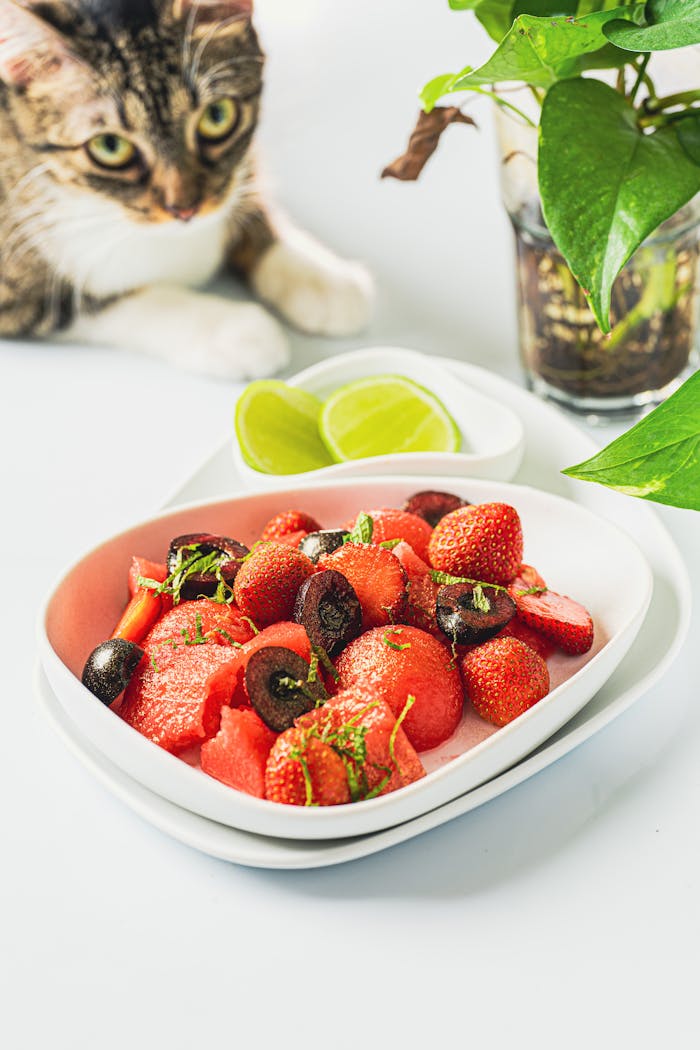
x=654, y=313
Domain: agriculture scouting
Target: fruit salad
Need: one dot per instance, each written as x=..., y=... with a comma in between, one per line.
x=319, y=665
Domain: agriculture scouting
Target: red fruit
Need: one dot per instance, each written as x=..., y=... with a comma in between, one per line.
x=220, y=624
x=150, y=570
x=517, y=629
x=287, y=522
x=561, y=619
x=237, y=755
x=503, y=678
x=176, y=695
x=395, y=663
x=482, y=542
x=268, y=581
x=293, y=539
x=392, y=524
x=302, y=770
x=390, y=760
x=527, y=578
x=378, y=579
x=422, y=589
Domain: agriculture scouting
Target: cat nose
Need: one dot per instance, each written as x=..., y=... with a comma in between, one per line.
x=183, y=214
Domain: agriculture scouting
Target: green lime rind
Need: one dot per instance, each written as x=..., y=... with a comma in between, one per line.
x=277, y=429
x=385, y=415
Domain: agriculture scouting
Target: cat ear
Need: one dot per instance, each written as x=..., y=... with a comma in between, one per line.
x=29, y=48
x=203, y=14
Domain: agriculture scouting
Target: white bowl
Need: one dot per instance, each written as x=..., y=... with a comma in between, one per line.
x=577, y=552
x=492, y=435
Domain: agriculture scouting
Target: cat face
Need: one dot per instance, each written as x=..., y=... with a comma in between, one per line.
x=150, y=103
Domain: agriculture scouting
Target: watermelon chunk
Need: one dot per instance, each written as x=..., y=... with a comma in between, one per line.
x=224, y=623
x=150, y=570
x=176, y=695
x=237, y=755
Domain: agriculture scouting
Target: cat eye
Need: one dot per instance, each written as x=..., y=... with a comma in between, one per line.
x=218, y=120
x=112, y=151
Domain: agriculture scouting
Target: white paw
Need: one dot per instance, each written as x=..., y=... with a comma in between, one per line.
x=230, y=340
x=313, y=289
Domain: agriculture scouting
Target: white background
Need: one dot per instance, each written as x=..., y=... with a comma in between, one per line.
x=563, y=914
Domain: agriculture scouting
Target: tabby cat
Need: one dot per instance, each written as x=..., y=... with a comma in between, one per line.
x=128, y=179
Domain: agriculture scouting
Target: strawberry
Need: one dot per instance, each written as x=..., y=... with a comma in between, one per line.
x=304, y=771
x=503, y=678
x=517, y=629
x=561, y=619
x=481, y=542
x=377, y=577
x=287, y=522
x=267, y=582
x=391, y=524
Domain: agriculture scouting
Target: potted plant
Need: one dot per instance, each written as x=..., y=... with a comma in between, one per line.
x=601, y=177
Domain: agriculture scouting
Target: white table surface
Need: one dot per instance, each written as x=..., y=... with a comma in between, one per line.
x=564, y=913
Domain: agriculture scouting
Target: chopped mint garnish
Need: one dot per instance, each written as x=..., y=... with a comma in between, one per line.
x=479, y=600
x=362, y=531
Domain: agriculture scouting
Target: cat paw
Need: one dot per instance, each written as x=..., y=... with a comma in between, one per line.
x=313, y=289
x=235, y=341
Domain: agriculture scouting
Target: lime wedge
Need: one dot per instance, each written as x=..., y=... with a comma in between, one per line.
x=386, y=414
x=277, y=429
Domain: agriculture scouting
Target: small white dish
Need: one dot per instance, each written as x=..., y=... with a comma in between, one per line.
x=578, y=552
x=492, y=434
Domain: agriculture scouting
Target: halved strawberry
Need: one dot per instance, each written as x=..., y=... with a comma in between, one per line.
x=422, y=589
x=517, y=629
x=563, y=620
x=378, y=578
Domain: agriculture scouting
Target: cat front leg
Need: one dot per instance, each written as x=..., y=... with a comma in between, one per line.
x=310, y=286
x=195, y=331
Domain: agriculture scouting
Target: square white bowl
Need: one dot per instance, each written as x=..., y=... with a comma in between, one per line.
x=492, y=434
x=577, y=552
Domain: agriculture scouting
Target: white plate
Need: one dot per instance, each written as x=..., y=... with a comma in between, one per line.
x=577, y=552
x=552, y=441
x=491, y=432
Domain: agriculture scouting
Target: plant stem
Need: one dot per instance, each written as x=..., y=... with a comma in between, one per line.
x=641, y=71
x=681, y=98
x=502, y=102
x=661, y=120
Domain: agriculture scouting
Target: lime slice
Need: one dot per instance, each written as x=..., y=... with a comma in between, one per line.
x=386, y=414
x=277, y=429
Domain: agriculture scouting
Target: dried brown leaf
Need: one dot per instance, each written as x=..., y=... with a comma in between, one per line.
x=424, y=141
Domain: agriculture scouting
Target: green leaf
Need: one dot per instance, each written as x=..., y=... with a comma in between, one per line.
x=659, y=458
x=605, y=185
x=672, y=23
x=437, y=87
x=688, y=131
x=541, y=51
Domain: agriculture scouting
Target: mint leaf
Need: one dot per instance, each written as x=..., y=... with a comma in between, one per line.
x=659, y=458
x=605, y=185
x=671, y=23
x=362, y=530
